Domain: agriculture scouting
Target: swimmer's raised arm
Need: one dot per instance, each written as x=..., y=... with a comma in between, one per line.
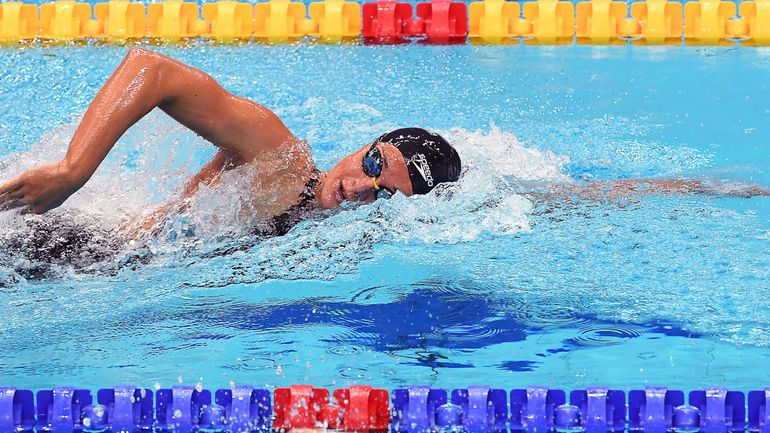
x=143, y=81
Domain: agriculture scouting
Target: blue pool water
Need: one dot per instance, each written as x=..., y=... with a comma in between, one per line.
x=482, y=284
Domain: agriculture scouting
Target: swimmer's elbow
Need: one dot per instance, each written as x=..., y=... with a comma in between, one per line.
x=142, y=58
x=137, y=52
x=150, y=67
x=172, y=80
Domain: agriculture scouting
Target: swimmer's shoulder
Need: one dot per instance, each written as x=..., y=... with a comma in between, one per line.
x=255, y=130
x=280, y=177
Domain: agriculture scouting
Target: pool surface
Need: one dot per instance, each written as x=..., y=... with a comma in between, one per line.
x=480, y=283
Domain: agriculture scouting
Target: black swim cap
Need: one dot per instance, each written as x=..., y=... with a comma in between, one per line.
x=429, y=158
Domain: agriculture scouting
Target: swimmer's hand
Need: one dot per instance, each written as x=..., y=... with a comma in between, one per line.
x=40, y=189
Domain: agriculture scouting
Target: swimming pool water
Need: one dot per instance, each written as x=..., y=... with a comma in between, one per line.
x=478, y=284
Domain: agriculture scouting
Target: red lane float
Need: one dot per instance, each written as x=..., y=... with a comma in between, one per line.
x=298, y=406
x=385, y=20
x=364, y=408
x=438, y=21
x=443, y=21
x=357, y=408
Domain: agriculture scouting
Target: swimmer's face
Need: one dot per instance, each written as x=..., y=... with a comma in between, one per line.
x=348, y=182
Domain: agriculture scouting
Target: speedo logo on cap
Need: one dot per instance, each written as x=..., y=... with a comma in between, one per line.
x=421, y=164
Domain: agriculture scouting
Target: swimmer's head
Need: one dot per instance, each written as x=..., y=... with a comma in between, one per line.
x=429, y=158
x=410, y=160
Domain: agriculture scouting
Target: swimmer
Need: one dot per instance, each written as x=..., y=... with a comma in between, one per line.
x=409, y=160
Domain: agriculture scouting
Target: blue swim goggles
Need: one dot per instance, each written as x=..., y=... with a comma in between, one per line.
x=372, y=165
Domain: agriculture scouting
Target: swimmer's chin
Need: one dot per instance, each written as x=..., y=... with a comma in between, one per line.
x=330, y=196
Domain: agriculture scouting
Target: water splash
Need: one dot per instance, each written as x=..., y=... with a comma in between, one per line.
x=502, y=153
x=147, y=166
x=143, y=172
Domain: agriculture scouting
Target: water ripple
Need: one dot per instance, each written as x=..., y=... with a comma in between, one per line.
x=605, y=335
x=544, y=315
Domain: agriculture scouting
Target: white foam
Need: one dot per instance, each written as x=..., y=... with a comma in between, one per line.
x=507, y=155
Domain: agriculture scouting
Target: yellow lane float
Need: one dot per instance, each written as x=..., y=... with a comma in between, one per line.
x=174, y=19
x=229, y=20
x=67, y=20
x=599, y=21
x=335, y=20
x=492, y=21
x=756, y=15
x=705, y=21
x=659, y=21
x=121, y=20
x=281, y=20
x=549, y=21
x=18, y=21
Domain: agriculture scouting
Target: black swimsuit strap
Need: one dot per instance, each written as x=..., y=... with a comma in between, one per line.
x=282, y=223
x=307, y=194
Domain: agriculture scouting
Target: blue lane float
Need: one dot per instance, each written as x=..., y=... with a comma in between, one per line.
x=417, y=409
x=17, y=409
x=246, y=408
x=534, y=408
x=482, y=409
x=598, y=408
x=127, y=408
x=60, y=410
x=183, y=408
x=758, y=415
x=719, y=410
x=652, y=409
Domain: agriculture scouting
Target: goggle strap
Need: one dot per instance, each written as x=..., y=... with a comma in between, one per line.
x=374, y=182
